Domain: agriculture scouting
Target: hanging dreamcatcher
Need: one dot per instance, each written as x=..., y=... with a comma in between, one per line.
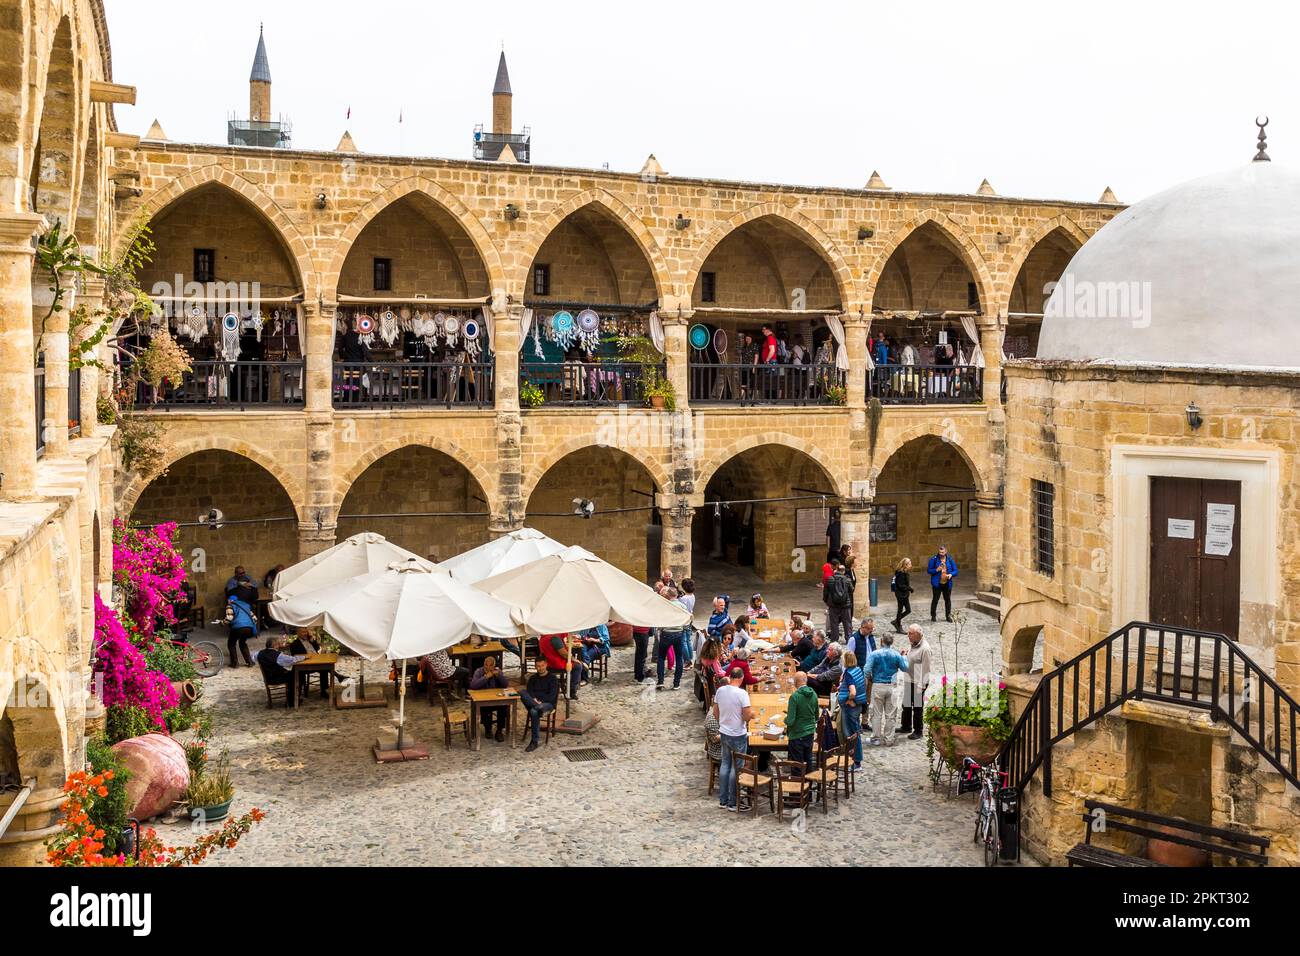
x=257, y=321
x=471, y=334
x=537, y=337
x=230, y=337
x=388, y=328
x=194, y=324
x=366, y=330
x=588, y=322
x=451, y=330
x=562, y=330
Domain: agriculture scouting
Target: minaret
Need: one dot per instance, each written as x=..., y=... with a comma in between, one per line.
x=501, y=98
x=259, y=84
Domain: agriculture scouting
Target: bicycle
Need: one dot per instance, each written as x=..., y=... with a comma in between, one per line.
x=204, y=655
x=988, y=824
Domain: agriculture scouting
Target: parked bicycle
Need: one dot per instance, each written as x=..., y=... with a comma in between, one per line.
x=988, y=824
x=204, y=655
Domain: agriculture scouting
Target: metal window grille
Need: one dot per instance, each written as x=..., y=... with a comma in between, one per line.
x=1044, y=497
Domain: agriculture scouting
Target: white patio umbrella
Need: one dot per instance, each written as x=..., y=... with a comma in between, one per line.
x=360, y=554
x=406, y=610
x=509, y=551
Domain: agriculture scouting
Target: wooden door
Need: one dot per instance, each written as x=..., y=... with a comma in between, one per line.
x=1193, y=583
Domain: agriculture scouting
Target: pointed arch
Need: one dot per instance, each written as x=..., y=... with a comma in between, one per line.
x=344, y=482
x=658, y=471
x=705, y=472
x=1020, y=253
x=957, y=236
x=941, y=429
x=483, y=244
x=291, y=485
x=275, y=217
x=816, y=236
x=616, y=208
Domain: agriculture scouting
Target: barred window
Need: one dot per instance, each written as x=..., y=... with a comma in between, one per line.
x=708, y=287
x=383, y=275
x=205, y=265
x=541, y=280
x=1044, y=498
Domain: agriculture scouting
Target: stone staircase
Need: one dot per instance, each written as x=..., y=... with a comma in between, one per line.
x=987, y=602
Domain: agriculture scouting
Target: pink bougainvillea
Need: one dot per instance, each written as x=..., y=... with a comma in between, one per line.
x=149, y=571
x=127, y=679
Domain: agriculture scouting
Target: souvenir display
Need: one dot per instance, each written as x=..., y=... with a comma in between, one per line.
x=720, y=342
x=699, y=336
x=451, y=330
x=388, y=328
x=256, y=322
x=472, y=345
x=230, y=337
x=588, y=322
x=366, y=330
x=561, y=330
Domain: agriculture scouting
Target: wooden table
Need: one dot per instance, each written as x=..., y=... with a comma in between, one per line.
x=767, y=708
x=770, y=629
x=493, y=697
x=473, y=654
x=314, y=664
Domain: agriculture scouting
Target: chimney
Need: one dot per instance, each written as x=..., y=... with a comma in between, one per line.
x=501, y=98
x=259, y=84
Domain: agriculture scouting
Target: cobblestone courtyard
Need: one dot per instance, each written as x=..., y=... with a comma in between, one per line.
x=328, y=802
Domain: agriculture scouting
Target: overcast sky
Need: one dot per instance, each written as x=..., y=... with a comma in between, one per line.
x=1046, y=100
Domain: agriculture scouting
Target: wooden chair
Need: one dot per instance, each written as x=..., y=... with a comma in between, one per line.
x=598, y=669
x=791, y=784
x=710, y=682
x=715, y=765
x=843, y=763
x=548, y=723
x=826, y=779
x=276, y=690
x=453, y=720
x=749, y=780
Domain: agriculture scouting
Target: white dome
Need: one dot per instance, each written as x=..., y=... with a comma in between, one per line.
x=1206, y=273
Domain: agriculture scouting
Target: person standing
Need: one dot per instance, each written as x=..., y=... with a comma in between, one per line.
x=863, y=641
x=838, y=595
x=942, y=569
x=641, y=638
x=731, y=707
x=833, y=537
x=853, y=698
x=882, y=689
x=801, y=721
x=918, y=679
x=902, y=588
x=242, y=621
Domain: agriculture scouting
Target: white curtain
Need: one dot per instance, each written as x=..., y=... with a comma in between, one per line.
x=487, y=329
x=871, y=363
x=1002, y=338
x=525, y=323
x=836, y=326
x=972, y=333
x=656, y=331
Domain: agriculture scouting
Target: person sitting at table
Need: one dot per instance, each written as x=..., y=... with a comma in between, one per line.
x=438, y=666
x=728, y=642
x=815, y=656
x=304, y=644
x=486, y=677
x=720, y=617
x=595, y=642
x=800, y=642
x=801, y=721
x=741, y=662
x=757, y=609
x=554, y=649
x=711, y=659
x=276, y=665
x=826, y=675
x=742, y=631
x=539, y=697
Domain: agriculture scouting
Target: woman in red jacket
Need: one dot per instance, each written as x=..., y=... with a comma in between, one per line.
x=554, y=648
x=741, y=660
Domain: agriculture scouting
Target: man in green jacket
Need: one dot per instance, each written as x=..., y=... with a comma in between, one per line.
x=801, y=721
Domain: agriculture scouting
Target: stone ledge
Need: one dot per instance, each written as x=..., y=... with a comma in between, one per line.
x=1161, y=714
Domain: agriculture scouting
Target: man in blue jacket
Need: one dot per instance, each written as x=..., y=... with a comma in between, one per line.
x=943, y=569
x=720, y=617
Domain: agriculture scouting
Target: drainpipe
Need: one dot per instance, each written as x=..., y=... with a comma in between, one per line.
x=17, y=805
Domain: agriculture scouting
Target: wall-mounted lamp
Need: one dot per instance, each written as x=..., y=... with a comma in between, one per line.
x=322, y=200
x=584, y=507
x=865, y=232
x=681, y=222
x=511, y=212
x=1194, y=419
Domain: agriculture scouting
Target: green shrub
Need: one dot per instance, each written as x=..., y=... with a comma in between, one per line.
x=108, y=813
x=171, y=660
x=125, y=721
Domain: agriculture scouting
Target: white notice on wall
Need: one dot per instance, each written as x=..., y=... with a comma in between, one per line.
x=1182, y=528
x=1219, y=522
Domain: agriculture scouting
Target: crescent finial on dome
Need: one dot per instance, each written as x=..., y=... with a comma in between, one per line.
x=1262, y=155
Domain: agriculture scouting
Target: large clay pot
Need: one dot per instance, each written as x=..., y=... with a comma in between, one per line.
x=955, y=741
x=160, y=774
x=620, y=635
x=1174, y=854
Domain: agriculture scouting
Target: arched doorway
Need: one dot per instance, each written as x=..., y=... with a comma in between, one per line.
x=53, y=177
x=766, y=510
x=623, y=528
x=590, y=263
x=435, y=507
x=258, y=526
x=925, y=497
x=767, y=273
x=1042, y=267
x=922, y=306
x=218, y=254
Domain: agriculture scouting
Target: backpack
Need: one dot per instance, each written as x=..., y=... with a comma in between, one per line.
x=837, y=590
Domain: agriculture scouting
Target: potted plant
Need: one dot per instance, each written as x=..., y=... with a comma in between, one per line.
x=659, y=391
x=530, y=395
x=967, y=716
x=211, y=791
x=837, y=395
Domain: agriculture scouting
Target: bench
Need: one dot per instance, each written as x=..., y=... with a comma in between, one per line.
x=1215, y=841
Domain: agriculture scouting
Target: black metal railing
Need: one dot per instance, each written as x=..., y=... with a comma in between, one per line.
x=766, y=384
x=39, y=385
x=74, y=401
x=371, y=384
x=591, y=383
x=228, y=384
x=1144, y=661
x=926, y=384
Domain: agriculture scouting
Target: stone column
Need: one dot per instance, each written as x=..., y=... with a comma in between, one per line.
x=92, y=297
x=675, y=356
x=676, y=512
x=54, y=346
x=855, y=343
x=17, y=382
x=855, y=531
x=988, y=540
x=507, y=511
x=316, y=326
x=990, y=333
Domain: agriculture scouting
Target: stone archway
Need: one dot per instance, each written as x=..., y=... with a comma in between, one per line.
x=1037, y=266
x=52, y=175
